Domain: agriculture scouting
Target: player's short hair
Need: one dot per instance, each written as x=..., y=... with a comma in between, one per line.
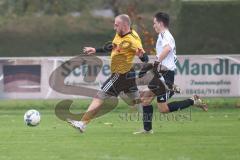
x=162, y=17
x=125, y=18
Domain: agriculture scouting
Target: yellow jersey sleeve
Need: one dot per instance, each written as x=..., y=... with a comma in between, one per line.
x=138, y=42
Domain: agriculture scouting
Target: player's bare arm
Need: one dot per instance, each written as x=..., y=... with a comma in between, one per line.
x=166, y=50
x=140, y=52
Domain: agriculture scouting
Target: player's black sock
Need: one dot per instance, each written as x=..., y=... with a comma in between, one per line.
x=174, y=106
x=147, y=117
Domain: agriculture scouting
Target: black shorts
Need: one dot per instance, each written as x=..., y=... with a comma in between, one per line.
x=120, y=82
x=158, y=86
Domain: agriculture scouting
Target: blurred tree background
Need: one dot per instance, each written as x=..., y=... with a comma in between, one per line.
x=63, y=27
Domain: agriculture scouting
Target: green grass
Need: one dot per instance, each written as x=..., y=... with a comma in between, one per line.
x=207, y=136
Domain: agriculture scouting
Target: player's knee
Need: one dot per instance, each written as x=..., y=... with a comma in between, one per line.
x=163, y=107
x=146, y=101
x=163, y=110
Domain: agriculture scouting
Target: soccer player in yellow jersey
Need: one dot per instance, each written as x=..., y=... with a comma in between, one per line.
x=125, y=45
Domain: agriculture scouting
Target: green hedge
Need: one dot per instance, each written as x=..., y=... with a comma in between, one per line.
x=208, y=27
x=52, y=35
x=198, y=27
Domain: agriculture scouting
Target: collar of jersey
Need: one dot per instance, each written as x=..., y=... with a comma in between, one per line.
x=125, y=34
x=162, y=33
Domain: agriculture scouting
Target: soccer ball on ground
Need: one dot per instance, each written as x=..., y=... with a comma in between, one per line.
x=32, y=117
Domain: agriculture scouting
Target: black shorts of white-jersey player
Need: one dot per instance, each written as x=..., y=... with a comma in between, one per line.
x=163, y=80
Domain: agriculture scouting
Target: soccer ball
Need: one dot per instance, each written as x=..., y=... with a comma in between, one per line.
x=32, y=117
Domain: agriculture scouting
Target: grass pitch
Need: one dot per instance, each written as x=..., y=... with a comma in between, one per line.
x=195, y=135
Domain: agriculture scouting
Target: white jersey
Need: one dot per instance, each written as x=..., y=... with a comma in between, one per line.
x=166, y=38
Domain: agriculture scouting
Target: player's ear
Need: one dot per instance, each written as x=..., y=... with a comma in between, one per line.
x=160, y=23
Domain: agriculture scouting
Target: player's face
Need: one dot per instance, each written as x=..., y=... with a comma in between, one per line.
x=157, y=25
x=119, y=26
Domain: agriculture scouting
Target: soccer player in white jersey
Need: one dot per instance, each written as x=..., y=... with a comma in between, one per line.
x=162, y=83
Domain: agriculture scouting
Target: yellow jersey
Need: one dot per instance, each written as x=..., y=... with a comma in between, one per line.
x=123, y=52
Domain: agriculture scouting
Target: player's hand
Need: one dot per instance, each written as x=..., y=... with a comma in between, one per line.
x=89, y=50
x=140, y=52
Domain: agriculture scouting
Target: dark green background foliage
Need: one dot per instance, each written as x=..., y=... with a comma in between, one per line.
x=209, y=28
x=48, y=28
